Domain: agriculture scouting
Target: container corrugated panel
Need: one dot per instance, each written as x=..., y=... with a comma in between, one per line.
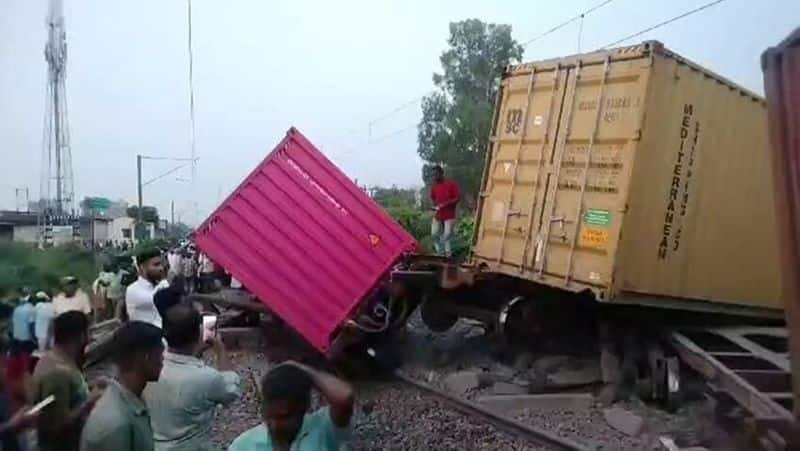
x=304, y=239
x=781, y=66
x=633, y=173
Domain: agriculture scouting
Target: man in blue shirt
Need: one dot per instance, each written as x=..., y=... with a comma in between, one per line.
x=286, y=397
x=22, y=322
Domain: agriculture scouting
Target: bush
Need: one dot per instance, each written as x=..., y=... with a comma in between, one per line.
x=24, y=265
x=418, y=224
x=462, y=237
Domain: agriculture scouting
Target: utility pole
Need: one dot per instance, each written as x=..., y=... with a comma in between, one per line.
x=139, y=190
x=26, y=207
x=172, y=212
x=140, y=185
x=91, y=219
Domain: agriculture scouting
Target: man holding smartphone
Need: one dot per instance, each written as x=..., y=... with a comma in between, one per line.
x=182, y=403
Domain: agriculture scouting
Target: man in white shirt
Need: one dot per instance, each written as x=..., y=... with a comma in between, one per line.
x=139, y=295
x=45, y=312
x=71, y=298
x=174, y=260
x=206, y=269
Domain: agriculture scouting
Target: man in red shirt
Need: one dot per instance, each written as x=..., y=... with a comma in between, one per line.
x=445, y=195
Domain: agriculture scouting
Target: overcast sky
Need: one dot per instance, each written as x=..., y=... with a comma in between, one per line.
x=326, y=67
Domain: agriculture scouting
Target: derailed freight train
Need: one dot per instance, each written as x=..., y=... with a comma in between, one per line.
x=627, y=177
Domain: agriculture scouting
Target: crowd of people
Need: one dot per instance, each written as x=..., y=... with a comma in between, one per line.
x=164, y=393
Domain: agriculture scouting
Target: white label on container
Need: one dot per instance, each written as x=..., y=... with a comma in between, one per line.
x=506, y=167
x=537, y=120
x=539, y=244
x=498, y=210
x=594, y=276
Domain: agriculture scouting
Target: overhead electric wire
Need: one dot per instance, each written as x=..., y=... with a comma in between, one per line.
x=566, y=22
x=417, y=99
x=399, y=108
x=375, y=141
x=666, y=22
x=159, y=177
x=561, y=25
x=191, y=103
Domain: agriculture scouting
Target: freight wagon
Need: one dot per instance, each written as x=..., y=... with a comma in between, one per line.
x=627, y=177
x=631, y=176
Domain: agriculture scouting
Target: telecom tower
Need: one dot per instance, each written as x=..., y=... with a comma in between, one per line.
x=56, y=185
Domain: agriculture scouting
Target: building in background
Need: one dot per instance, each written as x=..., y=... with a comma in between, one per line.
x=101, y=222
x=23, y=227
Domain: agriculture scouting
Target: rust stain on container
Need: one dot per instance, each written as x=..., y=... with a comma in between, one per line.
x=633, y=173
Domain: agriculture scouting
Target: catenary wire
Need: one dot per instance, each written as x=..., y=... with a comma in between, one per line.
x=666, y=22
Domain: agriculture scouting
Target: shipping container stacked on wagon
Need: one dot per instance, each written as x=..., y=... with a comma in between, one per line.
x=624, y=191
x=634, y=175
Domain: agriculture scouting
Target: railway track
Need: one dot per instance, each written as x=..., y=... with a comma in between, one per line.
x=515, y=428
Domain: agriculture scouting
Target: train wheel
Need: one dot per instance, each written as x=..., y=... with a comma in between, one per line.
x=435, y=317
x=519, y=321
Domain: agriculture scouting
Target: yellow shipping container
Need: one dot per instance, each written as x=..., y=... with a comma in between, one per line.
x=633, y=173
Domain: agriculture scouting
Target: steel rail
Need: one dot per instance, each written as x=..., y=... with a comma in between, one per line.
x=520, y=430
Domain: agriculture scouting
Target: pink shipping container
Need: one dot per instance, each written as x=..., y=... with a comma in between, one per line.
x=304, y=239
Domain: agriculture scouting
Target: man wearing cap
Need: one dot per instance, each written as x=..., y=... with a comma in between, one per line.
x=71, y=298
x=139, y=295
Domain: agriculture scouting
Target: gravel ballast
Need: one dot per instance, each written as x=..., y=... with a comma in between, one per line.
x=389, y=415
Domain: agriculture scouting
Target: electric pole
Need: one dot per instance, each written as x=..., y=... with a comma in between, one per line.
x=140, y=184
x=139, y=190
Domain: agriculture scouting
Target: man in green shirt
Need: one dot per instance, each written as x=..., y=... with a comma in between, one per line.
x=183, y=402
x=286, y=397
x=120, y=421
x=59, y=374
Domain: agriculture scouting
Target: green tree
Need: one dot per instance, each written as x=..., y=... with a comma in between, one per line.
x=456, y=119
x=387, y=197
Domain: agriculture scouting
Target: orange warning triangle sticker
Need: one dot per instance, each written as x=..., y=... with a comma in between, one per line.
x=374, y=240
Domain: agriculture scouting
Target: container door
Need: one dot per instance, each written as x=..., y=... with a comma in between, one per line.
x=515, y=181
x=588, y=172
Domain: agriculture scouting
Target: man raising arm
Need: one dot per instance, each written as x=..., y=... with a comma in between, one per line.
x=139, y=295
x=286, y=392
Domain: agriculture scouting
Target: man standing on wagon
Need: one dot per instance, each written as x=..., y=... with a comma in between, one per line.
x=445, y=195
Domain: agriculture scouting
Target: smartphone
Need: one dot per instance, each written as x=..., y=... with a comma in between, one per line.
x=41, y=405
x=209, y=327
